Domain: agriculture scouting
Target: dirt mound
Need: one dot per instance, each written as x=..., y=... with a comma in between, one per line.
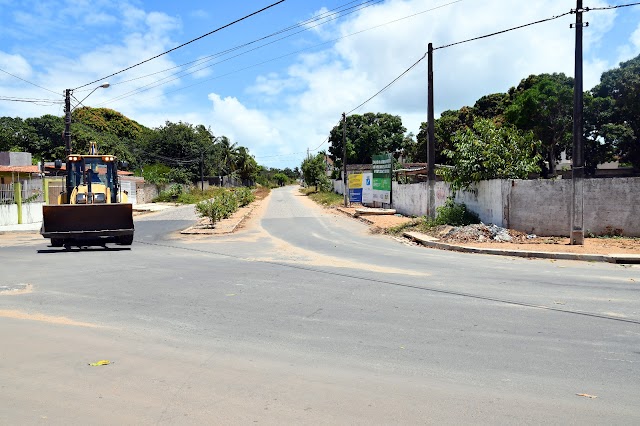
x=480, y=233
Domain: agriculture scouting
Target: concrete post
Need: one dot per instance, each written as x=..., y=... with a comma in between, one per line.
x=17, y=195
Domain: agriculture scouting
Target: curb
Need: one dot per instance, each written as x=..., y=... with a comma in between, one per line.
x=609, y=258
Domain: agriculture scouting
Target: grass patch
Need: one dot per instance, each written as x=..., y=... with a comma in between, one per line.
x=325, y=198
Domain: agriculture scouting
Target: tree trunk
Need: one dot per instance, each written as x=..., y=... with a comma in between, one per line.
x=552, y=160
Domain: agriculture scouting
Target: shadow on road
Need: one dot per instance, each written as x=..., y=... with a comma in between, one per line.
x=82, y=249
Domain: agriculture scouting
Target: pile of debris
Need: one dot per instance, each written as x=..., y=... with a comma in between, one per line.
x=480, y=233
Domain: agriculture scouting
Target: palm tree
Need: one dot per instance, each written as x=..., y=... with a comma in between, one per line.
x=227, y=152
x=246, y=165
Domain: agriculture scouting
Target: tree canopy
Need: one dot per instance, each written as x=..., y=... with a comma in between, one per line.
x=367, y=135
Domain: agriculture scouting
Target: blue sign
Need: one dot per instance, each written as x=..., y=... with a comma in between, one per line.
x=355, y=195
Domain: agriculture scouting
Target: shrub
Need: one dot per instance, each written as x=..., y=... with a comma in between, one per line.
x=211, y=209
x=454, y=214
x=244, y=196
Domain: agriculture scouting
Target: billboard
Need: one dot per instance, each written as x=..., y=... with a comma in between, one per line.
x=367, y=188
x=382, y=169
x=355, y=188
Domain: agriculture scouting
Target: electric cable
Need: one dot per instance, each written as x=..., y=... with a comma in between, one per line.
x=205, y=59
x=503, y=31
x=140, y=90
x=390, y=84
x=26, y=81
x=184, y=44
x=197, y=63
x=588, y=9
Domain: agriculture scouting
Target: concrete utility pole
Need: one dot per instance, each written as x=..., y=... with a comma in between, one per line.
x=344, y=159
x=431, y=143
x=577, y=161
x=67, y=136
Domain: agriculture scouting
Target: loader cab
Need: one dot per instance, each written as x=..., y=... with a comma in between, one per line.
x=92, y=179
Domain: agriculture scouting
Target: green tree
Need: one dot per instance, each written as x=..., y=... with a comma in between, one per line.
x=227, y=155
x=245, y=165
x=445, y=127
x=622, y=86
x=489, y=151
x=314, y=172
x=543, y=104
x=367, y=135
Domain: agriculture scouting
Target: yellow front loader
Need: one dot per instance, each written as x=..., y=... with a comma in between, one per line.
x=92, y=210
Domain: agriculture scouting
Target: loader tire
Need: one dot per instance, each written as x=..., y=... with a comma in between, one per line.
x=125, y=240
x=57, y=242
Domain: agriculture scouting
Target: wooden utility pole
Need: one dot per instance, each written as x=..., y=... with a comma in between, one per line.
x=344, y=160
x=431, y=143
x=577, y=156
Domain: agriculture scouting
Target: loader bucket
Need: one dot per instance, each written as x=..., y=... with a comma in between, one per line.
x=86, y=221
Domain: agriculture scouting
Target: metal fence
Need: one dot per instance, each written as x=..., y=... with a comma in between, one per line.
x=6, y=193
x=31, y=192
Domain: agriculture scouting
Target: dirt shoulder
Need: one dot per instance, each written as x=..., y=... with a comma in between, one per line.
x=599, y=245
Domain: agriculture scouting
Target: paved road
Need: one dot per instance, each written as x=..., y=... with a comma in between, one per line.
x=305, y=317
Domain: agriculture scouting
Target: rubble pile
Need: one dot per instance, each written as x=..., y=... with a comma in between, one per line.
x=481, y=233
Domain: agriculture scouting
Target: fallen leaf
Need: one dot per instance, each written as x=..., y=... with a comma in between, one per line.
x=586, y=395
x=101, y=362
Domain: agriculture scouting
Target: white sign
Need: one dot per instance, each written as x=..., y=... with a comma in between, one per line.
x=367, y=188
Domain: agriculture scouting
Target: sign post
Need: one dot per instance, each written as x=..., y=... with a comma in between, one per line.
x=382, y=169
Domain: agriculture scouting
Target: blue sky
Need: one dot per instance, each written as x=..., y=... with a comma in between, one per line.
x=283, y=98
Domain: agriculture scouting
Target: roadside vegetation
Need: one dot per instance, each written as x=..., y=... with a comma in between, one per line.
x=325, y=198
x=451, y=213
x=224, y=203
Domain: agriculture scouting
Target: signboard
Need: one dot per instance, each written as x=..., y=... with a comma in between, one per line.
x=367, y=188
x=355, y=188
x=382, y=169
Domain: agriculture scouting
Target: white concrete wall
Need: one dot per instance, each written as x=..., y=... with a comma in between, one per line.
x=543, y=207
x=540, y=207
x=8, y=214
x=32, y=212
x=410, y=200
x=485, y=199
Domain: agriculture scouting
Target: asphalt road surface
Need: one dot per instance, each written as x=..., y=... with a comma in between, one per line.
x=305, y=317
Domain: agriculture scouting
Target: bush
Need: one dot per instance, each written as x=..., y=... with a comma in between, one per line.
x=244, y=196
x=454, y=214
x=211, y=209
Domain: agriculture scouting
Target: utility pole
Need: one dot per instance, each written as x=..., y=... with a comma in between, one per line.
x=344, y=159
x=202, y=170
x=67, y=138
x=431, y=143
x=577, y=161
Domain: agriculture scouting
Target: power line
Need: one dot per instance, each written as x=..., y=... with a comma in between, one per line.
x=176, y=76
x=158, y=82
x=184, y=44
x=205, y=59
x=587, y=9
x=503, y=31
x=389, y=85
x=33, y=84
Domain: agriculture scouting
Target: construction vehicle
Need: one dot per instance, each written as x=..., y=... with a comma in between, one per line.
x=92, y=210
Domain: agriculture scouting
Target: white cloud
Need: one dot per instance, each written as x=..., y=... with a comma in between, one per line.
x=247, y=127
x=15, y=64
x=322, y=85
